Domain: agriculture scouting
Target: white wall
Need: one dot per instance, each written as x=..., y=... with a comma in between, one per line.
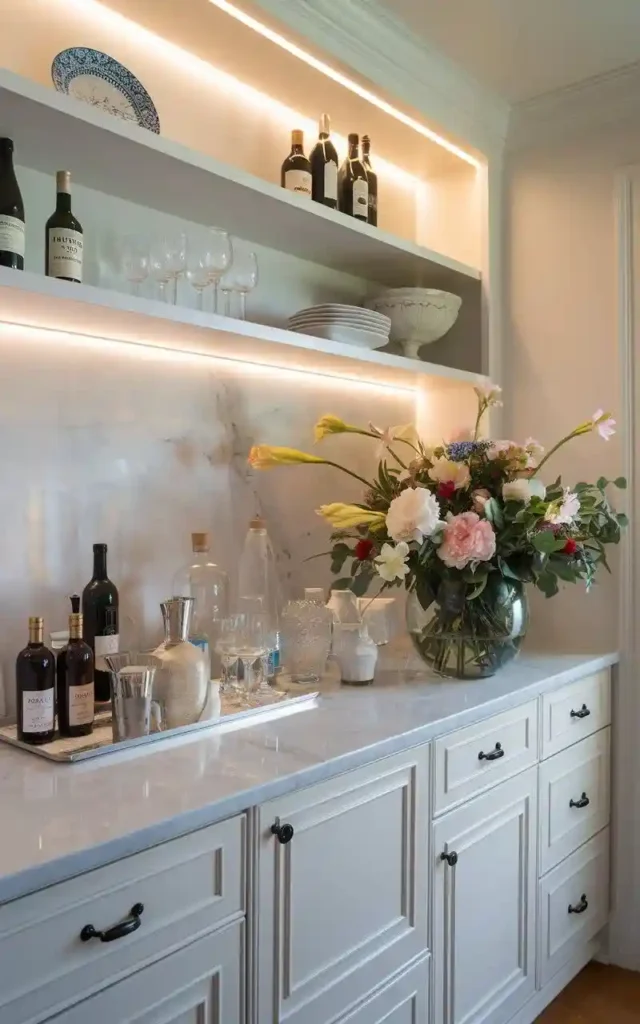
x=562, y=363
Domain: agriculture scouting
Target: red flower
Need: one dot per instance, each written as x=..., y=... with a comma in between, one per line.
x=570, y=547
x=447, y=490
x=363, y=549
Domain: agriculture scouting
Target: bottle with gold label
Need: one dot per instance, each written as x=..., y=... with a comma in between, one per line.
x=35, y=678
x=75, y=686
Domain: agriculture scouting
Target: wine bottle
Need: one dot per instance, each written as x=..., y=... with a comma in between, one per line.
x=63, y=237
x=353, y=188
x=100, y=625
x=372, y=180
x=35, y=678
x=296, y=169
x=11, y=211
x=75, y=685
x=324, y=167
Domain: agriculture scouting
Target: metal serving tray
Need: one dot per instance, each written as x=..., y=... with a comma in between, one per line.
x=80, y=748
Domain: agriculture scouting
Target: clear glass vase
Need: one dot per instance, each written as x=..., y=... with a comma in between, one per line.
x=306, y=640
x=469, y=638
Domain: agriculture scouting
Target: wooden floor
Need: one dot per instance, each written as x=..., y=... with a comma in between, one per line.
x=599, y=995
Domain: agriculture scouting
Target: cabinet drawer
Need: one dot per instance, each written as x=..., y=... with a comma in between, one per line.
x=575, y=711
x=574, y=798
x=344, y=903
x=404, y=1001
x=473, y=759
x=186, y=886
x=582, y=884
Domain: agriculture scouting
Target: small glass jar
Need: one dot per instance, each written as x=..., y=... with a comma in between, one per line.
x=306, y=640
x=355, y=652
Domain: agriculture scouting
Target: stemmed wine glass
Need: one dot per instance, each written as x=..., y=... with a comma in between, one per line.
x=168, y=262
x=135, y=261
x=198, y=272
x=219, y=253
x=242, y=646
x=244, y=278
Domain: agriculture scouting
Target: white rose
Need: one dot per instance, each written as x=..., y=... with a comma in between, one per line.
x=517, y=490
x=413, y=515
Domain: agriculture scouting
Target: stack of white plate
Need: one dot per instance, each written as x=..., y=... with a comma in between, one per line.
x=351, y=325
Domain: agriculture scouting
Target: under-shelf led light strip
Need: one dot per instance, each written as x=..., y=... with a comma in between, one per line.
x=11, y=332
x=183, y=61
x=340, y=79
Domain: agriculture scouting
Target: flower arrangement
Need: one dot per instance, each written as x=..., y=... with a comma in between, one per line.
x=464, y=525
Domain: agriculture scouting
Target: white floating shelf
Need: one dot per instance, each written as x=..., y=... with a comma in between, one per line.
x=52, y=131
x=32, y=300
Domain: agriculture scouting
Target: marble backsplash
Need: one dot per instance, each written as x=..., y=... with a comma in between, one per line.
x=137, y=448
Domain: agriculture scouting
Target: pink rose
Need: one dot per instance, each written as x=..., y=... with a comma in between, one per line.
x=467, y=538
x=479, y=499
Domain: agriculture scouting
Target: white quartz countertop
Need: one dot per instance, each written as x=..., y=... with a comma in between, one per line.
x=61, y=820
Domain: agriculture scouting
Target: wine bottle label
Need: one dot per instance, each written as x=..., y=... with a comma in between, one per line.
x=105, y=645
x=11, y=235
x=81, y=705
x=331, y=181
x=298, y=181
x=361, y=199
x=37, y=710
x=65, y=253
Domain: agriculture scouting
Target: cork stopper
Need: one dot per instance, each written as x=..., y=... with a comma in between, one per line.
x=200, y=543
x=257, y=523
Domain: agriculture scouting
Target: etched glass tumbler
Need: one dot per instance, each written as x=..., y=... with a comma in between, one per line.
x=305, y=640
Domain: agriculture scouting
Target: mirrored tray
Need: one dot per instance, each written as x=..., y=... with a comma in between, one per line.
x=80, y=748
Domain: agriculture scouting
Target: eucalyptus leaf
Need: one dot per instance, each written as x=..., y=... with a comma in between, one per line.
x=621, y=483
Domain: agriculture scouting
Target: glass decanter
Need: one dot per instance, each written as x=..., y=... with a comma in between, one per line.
x=208, y=585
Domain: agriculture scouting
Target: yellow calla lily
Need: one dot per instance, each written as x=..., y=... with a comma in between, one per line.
x=330, y=424
x=266, y=456
x=344, y=517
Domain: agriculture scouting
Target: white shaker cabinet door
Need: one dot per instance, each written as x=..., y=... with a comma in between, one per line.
x=200, y=984
x=343, y=900
x=484, y=857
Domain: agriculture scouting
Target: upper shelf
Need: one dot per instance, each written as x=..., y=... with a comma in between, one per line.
x=52, y=131
x=32, y=300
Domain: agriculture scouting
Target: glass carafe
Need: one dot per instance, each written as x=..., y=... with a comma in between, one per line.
x=208, y=585
x=181, y=684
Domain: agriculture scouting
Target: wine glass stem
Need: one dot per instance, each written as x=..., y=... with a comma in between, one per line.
x=174, y=290
x=227, y=303
x=216, y=295
x=199, y=302
x=243, y=306
x=162, y=291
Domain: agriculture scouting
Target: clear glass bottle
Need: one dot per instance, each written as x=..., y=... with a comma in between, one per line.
x=181, y=684
x=258, y=588
x=208, y=585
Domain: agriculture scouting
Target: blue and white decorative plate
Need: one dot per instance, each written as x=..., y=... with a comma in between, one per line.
x=98, y=79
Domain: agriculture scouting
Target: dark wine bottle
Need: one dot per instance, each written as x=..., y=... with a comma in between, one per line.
x=63, y=236
x=100, y=626
x=35, y=678
x=372, y=180
x=324, y=167
x=296, y=169
x=75, y=685
x=11, y=211
x=353, y=188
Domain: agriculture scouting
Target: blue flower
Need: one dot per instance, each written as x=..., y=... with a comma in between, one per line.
x=458, y=451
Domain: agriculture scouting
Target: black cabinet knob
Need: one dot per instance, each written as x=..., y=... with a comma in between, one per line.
x=579, y=907
x=582, y=713
x=130, y=924
x=582, y=802
x=493, y=755
x=283, y=833
x=451, y=858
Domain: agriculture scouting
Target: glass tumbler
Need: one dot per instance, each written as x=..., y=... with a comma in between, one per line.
x=306, y=640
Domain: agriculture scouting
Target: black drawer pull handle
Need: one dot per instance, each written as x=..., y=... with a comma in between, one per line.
x=493, y=755
x=582, y=802
x=130, y=924
x=581, y=906
x=582, y=713
x=451, y=858
x=284, y=832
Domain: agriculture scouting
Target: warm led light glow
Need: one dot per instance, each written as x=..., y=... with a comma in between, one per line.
x=184, y=62
x=337, y=76
x=14, y=332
